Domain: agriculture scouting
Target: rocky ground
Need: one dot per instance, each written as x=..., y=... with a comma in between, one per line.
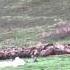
x=43, y=50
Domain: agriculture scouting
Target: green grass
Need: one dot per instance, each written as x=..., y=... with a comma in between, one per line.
x=48, y=63
x=21, y=37
x=29, y=36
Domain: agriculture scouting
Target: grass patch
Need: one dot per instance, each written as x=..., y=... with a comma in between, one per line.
x=48, y=63
x=29, y=36
x=21, y=37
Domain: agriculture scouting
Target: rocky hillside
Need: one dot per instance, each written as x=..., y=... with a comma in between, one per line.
x=29, y=21
x=31, y=13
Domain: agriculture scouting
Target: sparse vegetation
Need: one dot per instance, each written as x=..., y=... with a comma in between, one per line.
x=26, y=22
